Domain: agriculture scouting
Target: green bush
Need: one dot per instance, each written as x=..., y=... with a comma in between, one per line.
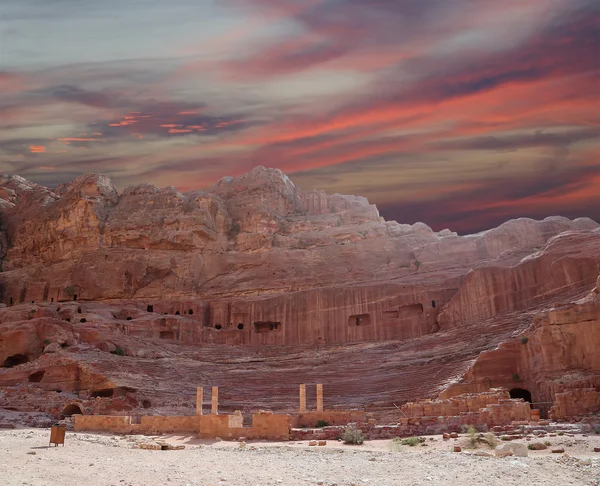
x=490, y=440
x=70, y=291
x=353, y=436
x=524, y=340
x=516, y=377
x=473, y=439
x=119, y=351
x=547, y=443
x=46, y=341
x=321, y=424
x=412, y=441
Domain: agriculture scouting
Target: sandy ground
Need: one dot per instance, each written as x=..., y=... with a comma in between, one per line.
x=88, y=459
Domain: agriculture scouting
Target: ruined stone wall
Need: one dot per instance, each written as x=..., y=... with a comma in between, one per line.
x=490, y=408
x=575, y=402
x=264, y=425
x=454, y=406
x=162, y=424
x=332, y=417
x=102, y=423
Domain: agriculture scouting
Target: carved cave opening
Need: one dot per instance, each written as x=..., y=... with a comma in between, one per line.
x=359, y=320
x=167, y=335
x=72, y=409
x=106, y=393
x=240, y=326
x=410, y=311
x=266, y=326
x=433, y=304
x=36, y=377
x=218, y=327
x=150, y=308
x=15, y=360
x=146, y=404
x=83, y=319
x=191, y=312
x=177, y=313
x=74, y=296
x=521, y=393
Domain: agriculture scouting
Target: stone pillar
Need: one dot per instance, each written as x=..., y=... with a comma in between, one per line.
x=199, y=396
x=319, y=397
x=215, y=400
x=302, y=398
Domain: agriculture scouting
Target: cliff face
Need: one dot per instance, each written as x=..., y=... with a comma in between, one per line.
x=256, y=262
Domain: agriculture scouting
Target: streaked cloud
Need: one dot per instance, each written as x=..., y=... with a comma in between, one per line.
x=460, y=114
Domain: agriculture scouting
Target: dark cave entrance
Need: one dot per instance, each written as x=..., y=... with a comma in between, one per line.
x=15, y=360
x=72, y=410
x=521, y=393
x=106, y=393
x=36, y=377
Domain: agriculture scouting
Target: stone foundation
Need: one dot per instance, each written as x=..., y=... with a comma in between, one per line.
x=494, y=407
x=575, y=402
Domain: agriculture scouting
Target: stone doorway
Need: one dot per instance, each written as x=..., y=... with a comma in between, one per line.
x=521, y=393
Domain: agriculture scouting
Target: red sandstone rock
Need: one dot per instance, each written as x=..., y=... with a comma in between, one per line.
x=295, y=281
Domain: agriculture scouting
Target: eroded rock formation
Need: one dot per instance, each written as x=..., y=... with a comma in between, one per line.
x=123, y=301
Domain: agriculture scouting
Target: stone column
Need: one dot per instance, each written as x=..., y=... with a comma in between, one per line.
x=302, y=398
x=319, y=397
x=199, y=396
x=215, y=400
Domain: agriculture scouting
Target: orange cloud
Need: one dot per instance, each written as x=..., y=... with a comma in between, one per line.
x=177, y=130
x=37, y=149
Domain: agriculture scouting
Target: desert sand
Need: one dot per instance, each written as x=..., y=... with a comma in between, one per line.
x=89, y=459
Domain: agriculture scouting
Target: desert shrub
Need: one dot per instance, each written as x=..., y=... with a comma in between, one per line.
x=46, y=341
x=70, y=291
x=531, y=447
x=547, y=443
x=516, y=377
x=524, y=340
x=412, y=441
x=560, y=433
x=597, y=430
x=322, y=423
x=490, y=440
x=472, y=437
x=353, y=436
x=119, y=351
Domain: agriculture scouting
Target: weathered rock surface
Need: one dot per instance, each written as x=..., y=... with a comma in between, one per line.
x=257, y=286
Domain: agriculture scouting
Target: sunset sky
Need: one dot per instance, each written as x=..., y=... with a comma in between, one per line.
x=458, y=113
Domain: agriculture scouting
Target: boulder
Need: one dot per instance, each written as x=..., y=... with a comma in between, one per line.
x=52, y=348
x=511, y=449
x=537, y=446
